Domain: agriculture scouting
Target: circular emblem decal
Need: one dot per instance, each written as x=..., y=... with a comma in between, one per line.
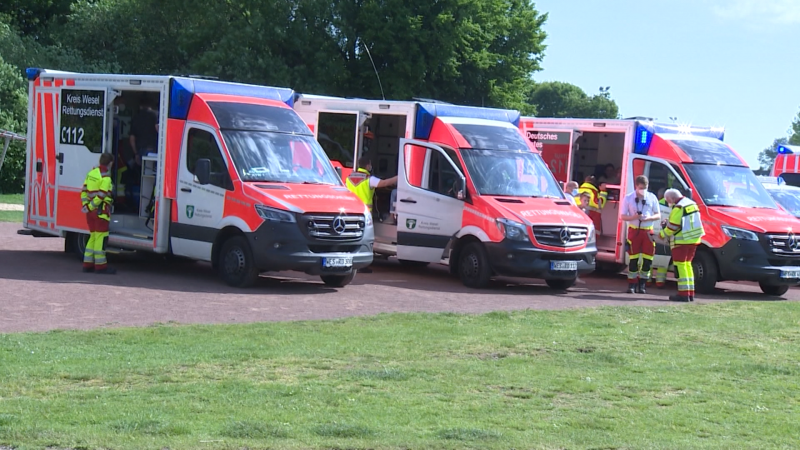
x=339, y=225
x=564, y=235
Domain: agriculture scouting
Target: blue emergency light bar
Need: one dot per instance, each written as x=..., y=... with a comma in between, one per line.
x=427, y=112
x=789, y=149
x=646, y=130
x=182, y=91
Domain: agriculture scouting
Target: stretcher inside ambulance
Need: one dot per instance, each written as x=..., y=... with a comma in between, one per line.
x=216, y=171
x=471, y=193
x=748, y=237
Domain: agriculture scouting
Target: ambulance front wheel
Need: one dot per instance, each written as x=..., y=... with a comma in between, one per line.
x=236, y=264
x=773, y=289
x=473, y=266
x=705, y=271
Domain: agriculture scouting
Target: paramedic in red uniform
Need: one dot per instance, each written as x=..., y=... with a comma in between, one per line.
x=96, y=199
x=363, y=184
x=641, y=210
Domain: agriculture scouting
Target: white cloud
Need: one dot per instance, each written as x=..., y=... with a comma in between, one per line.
x=777, y=12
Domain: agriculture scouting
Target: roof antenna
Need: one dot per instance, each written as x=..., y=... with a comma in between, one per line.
x=373, y=68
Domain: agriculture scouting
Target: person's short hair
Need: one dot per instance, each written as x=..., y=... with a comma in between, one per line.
x=106, y=159
x=573, y=184
x=641, y=179
x=364, y=161
x=672, y=195
x=585, y=194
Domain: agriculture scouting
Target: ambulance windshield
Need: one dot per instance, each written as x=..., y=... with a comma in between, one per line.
x=501, y=163
x=510, y=173
x=737, y=186
x=279, y=157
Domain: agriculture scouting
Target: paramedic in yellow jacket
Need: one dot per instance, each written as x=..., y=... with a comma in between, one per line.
x=686, y=229
x=597, y=200
x=363, y=184
x=96, y=198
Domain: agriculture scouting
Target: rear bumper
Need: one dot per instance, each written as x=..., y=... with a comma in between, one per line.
x=741, y=260
x=282, y=246
x=521, y=259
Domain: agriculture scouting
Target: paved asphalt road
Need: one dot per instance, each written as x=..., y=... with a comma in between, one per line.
x=42, y=288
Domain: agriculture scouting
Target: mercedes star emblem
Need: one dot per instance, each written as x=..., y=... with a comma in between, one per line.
x=339, y=225
x=564, y=235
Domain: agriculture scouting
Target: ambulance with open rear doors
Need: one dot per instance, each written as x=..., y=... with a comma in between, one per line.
x=471, y=193
x=236, y=178
x=748, y=237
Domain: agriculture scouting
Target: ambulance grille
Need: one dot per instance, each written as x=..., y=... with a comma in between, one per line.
x=555, y=236
x=784, y=244
x=335, y=227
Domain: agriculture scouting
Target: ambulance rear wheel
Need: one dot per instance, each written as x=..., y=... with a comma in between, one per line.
x=473, y=266
x=76, y=243
x=236, y=264
x=338, y=280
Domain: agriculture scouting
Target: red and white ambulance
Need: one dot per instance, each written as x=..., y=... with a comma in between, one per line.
x=748, y=237
x=235, y=177
x=787, y=164
x=471, y=193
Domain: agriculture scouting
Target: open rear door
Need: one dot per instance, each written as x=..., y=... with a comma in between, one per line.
x=430, y=210
x=556, y=148
x=338, y=132
x=81, y=136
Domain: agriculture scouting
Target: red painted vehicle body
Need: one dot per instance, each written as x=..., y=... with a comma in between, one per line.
x=748, y=236
x=471, y=193
x=235, y=177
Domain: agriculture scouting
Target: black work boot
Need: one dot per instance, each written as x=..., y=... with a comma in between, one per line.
x=642, y=286
x=679, y=298
x=631, y=288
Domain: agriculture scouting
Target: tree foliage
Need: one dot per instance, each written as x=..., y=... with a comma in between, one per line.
x=559, y=99
x=766, y=158
x=470, y=52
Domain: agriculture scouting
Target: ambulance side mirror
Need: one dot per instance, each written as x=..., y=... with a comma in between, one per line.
x=339, y=171
x=202, y=170
x=462, y=189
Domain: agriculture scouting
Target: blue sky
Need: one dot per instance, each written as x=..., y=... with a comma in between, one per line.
x=731, y=63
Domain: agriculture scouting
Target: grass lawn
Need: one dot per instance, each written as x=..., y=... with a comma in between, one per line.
x=14, y=199
x=11, y=216
x=688, y=376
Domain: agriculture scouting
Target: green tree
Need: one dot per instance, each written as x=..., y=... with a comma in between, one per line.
x=794, y=139
x=13, y=115
x=32, y=17
x=560, y=99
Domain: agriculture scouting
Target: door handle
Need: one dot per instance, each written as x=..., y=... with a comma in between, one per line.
x=408, y=200
x=60, y=157
x=186, y=190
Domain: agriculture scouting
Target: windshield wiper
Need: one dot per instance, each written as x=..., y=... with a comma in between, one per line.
x=317, y=182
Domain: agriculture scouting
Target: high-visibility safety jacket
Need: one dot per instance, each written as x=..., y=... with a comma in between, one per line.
x=684, y=223
x=96, y=192
x=597, y=199
x=358, y=183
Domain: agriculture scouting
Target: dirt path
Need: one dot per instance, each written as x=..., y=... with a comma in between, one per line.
x=42, y=288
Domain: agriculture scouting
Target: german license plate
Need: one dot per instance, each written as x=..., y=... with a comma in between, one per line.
x=564, y=265
x=790, y=273
x=337, y=262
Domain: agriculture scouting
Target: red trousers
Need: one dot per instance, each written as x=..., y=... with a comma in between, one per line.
x=641, y=244
x=598, y=222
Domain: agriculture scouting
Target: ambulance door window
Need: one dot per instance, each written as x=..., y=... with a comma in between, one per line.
x=201, y=144
x=336, y=133
x=442, y=176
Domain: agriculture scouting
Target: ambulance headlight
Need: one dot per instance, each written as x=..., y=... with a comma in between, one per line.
x=738, y=233
x=592, y=238
x=513, y=231
x=367, y=216
x=275, y=215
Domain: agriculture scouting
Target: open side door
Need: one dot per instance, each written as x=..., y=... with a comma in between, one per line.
x=661, y=175
x=556, y=147
x=339, y=134
x=81, y=136
x=430, y=211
